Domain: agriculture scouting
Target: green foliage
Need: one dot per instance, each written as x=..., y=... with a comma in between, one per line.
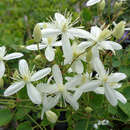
x=24, y=126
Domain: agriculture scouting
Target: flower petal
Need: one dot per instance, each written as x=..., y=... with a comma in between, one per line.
x=110, y=95
x=14, y=88
x=2, y=51
x=57, y=74
x=90, y=86
x=116, y=77
x=49, y=53
x=99, y=90
x=77, y=66
x=67, y=49
x=23, y=68
x=35, y=47
x=95, y=31
x=76, y=32
x=2, y=69
x=50, y=32
x=120, y=97
x=60, y=18
x=33, y=94
x=84, y=45
x=40, y=74
x=92, y=2
x=13, y=56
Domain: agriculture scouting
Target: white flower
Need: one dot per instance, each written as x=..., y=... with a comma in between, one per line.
x=4, y=57
x=92, y=2
x=99, y=41
x=25, y=78
x=63, y=26
x=109, y=83
x=47, y=43
x=60, y=90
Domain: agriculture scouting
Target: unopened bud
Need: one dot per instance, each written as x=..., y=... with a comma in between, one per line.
x=88, y=109
x=117, y=5
x=101, y=5
x=119, y=30
x=38, y=57
x=37, y=33
x=51, y=116
x=1, y=82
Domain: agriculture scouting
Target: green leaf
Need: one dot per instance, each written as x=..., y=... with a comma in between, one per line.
x=5, y=116
x=80, y=125
x=125, y=108
x=24, y=126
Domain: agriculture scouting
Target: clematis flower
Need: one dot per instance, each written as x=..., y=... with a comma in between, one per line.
x=99, y=41
x=60, y=90
x=92, y=2
x=63, y=26
x=26, y=78
x=47, y=43
x=109, y=83
x=4, y=57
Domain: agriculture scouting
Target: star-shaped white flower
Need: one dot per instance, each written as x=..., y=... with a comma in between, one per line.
x=6, y=57
x=109, y=83
x=99, y=41
x=25, y=78
x=47, y=43
x=92, y=2
x=63, y=26
x=61, y=90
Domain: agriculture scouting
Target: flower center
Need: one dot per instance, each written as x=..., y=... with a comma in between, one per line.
x=50, y=39
x=44, y=26
x=26, y=78
x=61, y=88
x=105, y=79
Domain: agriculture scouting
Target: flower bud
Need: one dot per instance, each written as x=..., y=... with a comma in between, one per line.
x=117, y=5
x=37, y=33
x=38, y=57
x=119, y=30
x=88, y=109
x=1, y=82
x=101, y=5
x=51, y=116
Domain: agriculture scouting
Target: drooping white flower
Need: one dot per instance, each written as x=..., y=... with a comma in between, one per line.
x=60, y=90
x=47, y=43
x=63, y=26
x=109, y=82
x=92, y=2
x=25, y=78
x=6, y=57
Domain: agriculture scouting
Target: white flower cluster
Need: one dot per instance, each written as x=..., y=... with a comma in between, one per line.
x=60, y=32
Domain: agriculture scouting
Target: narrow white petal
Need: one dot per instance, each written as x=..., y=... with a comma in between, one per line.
x=92, y=2
x=49, y=53
x=33, y=94
x=77, y=94
x=116, y=77
x=76, y=32
x=84, y=45
x=50, y=32
x=13, y=56
x=99, y=90
x=115, y=46
x=23, y=68
x=95, y=31
x=14, y=88
x=67, y=49
x=57, y=74
x=98, y=66
x=110, y=95
x=77, y=66
x=40, y=74
x=120, y=97
x=90, y=86
x=58, y=43
x=60, y=18
x=69, y=98
x=35, y=47
x=2, y=69
x=95, y=52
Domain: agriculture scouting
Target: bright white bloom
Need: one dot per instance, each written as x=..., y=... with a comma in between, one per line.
x=47, y=43
x=92, y=2
x=60, y=90
x=99, y=41
x=109, y=83
x=25, y=78
x=4, y=57
x=63, y=26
